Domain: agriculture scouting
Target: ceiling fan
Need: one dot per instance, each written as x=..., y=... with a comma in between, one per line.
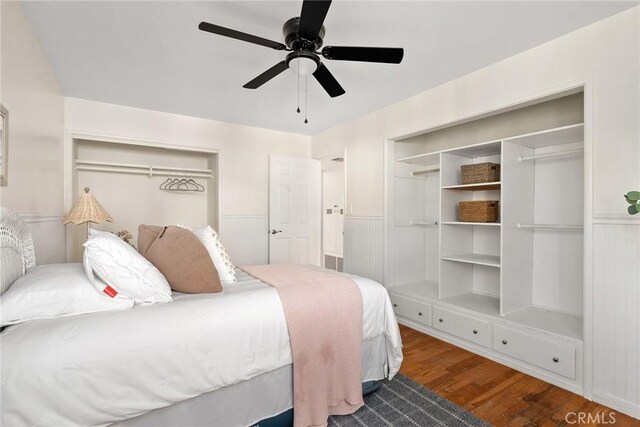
x=303, y=37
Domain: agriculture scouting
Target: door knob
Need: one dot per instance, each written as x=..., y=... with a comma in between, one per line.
x=274, y=231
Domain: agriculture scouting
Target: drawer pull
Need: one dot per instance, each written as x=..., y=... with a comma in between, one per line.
x=419, y=313
x=475, y=331
x=504, y=342
x=441, y=320
x=395, y=305
x=555, y=359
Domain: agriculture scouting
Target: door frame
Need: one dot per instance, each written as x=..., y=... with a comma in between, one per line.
x=341, y=153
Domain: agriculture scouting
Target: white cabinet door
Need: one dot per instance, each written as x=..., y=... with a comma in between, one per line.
x=294, y=210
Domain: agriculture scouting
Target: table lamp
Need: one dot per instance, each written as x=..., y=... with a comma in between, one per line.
x=87, y=209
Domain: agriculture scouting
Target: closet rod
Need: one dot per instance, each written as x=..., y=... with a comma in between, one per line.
x=552, y=226
x=548, y=155
x=425, y=171
x=424, y=223
x=151, y=172
x=139, y=166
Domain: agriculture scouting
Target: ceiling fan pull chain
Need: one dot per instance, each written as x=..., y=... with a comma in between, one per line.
x=298, y=73
x=306, y=101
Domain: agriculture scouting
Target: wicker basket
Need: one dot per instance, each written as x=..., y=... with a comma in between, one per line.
x=480, y=173
x=479, y=211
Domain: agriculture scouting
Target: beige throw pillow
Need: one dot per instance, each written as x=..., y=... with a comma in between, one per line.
x=180, y=256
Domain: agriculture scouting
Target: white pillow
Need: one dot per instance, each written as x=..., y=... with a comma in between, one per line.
x=210, y=239
x=123, y=269
x=55, y=290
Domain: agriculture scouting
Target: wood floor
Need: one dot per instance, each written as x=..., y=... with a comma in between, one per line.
x=494, y=392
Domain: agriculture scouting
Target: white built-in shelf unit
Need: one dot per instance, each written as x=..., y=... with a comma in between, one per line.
x=465, y=280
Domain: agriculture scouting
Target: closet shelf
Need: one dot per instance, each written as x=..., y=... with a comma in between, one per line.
x=479, y=259
x=568, y=325
x=138, y=169
x=421, y=290
x=485, y=186
x=481, y=303
x=483, y=224
x=427, y=159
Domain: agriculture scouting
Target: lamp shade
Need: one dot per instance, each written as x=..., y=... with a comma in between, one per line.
x=87, y=209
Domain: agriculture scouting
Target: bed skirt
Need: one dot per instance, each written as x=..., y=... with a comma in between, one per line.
x=265, y=400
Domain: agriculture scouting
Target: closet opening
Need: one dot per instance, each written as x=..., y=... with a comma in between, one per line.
x=333, y=210
x=524, y=262
x=142, y=183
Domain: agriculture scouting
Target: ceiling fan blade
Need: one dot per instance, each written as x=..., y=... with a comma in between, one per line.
x=388, y=55
x=328, y=82
x=238, y=35
x=312, y=17
x=266, y=76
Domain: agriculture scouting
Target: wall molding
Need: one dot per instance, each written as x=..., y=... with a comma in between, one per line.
x=36, y=217
x=366, y=217
x=245, y=216
x=624, y=406
x=615, y=218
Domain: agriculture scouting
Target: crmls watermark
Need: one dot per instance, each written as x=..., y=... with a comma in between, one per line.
x=601, y=418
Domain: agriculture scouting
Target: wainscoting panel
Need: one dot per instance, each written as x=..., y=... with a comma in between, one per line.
x=616, y=314
x=48, y=236
x=246, y=238
x=364, y=247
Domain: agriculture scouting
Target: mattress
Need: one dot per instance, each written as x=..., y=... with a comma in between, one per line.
x=102, y=368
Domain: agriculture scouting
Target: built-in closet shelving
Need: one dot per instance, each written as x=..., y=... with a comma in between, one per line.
x=125, y=173
x=503, y=286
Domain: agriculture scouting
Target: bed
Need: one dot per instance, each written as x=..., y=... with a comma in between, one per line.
x=204, y=359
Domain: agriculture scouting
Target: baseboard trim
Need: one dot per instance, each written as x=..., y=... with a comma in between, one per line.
x=626, y=407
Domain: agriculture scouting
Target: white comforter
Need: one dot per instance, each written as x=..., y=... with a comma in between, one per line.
x=100, y=368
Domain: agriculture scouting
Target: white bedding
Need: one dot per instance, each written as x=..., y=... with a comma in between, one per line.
x=100, y=368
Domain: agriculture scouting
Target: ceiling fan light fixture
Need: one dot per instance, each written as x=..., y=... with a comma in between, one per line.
x=303, y=66
x=303, y=63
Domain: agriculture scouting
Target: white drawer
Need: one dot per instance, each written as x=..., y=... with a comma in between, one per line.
x=411, y=309
x=536, y=350
x=468, y=328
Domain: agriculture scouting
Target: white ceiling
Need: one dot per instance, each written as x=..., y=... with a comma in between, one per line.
x=151, y=54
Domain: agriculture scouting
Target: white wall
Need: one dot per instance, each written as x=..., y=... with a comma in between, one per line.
x=244, y=161
x=30, y=92
x=607, y=54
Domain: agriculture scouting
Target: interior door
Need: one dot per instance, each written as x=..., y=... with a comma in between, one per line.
x=294, y=210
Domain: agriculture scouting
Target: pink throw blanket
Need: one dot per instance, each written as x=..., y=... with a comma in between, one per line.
x=324, y=317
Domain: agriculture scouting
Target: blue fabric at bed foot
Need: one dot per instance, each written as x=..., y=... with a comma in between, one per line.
x=285, y=419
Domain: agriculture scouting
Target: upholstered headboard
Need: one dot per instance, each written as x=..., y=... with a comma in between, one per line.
x=17, y=255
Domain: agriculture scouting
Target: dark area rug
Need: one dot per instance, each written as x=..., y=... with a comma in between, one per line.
x=404, y=402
